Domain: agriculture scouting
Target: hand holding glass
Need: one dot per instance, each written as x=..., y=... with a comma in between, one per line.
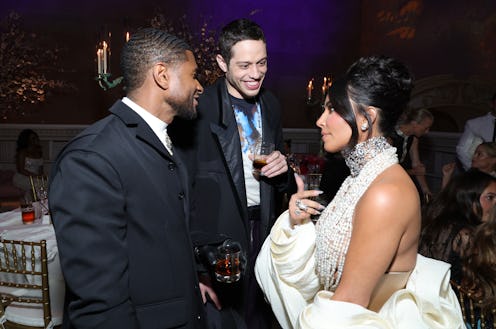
x=227, y=268
x=312, y=182
x=261, y=151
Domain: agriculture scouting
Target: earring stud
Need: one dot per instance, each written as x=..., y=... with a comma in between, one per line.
x=364, y=126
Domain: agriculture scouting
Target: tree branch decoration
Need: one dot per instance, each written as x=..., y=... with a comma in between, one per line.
x=404, y=20
x=23, y=68
x=204, y=45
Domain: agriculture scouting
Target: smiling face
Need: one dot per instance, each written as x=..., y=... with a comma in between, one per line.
x=246, y=69
x=336, y=132
x=185, y=88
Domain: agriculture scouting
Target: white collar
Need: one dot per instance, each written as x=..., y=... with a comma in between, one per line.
x=157, y=125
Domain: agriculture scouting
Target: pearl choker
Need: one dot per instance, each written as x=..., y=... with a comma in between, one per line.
x=357, y=157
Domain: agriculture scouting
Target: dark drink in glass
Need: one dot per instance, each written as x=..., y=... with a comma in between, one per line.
x=259, y=163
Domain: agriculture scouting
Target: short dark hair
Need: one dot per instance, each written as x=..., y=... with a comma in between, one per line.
x=235, y=31
x=146, y=47
x=378, y=81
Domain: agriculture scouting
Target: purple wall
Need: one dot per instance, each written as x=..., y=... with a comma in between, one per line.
x=305, y=39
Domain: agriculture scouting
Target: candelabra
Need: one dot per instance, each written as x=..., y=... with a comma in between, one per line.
x=103, y=59
x=105, y=82
x=313, y=102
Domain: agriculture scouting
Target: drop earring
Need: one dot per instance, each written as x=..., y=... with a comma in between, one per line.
x=364, y=126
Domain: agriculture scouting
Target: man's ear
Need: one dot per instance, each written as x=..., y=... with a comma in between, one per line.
x=161, y=75
x=221, y=62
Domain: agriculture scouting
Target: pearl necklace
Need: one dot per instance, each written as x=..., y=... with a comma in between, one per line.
x=366, y=161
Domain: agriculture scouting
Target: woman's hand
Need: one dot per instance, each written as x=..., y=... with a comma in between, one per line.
x=301, y=206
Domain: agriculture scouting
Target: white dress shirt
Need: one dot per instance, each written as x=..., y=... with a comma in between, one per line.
x=158, y=126
x=476, y=131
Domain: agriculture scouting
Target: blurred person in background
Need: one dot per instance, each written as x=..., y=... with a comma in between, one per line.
x=29, y=161
x=450, y=219
x=413, y=124
x=484, y=159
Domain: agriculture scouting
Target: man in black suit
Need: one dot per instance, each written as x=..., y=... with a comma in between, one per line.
x=120, y=200
x=229, y=199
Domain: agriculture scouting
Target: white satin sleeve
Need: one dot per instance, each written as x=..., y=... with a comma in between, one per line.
x=285, y=269
x=427, y=302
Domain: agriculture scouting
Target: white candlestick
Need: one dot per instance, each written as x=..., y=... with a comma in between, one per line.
x=105, y=50
x=99, y=60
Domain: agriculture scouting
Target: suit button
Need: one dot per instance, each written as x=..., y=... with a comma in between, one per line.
x=199, y=317
x=172, y=166
x=181, y=195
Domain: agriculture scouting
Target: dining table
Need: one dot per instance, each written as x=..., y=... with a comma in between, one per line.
x=13, y=228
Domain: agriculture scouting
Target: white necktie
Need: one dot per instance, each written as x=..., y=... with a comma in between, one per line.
x=167, y=142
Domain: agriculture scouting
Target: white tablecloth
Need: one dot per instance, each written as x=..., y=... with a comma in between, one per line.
x=12, y=228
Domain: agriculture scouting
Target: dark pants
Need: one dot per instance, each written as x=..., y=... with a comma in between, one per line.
x=244, y=305
x=258, y=313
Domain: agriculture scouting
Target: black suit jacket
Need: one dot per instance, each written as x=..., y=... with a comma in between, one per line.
x=120, y=207
x=219, y=193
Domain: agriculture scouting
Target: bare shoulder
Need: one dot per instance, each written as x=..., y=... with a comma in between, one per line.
x=392, y=193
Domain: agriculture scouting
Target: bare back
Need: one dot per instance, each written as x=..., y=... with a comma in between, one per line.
x=386, y=228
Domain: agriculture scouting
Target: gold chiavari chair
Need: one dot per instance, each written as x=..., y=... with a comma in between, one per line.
x=24, y=287
x=475, y=315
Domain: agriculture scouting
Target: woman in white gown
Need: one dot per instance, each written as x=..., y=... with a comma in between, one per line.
x=358, y=267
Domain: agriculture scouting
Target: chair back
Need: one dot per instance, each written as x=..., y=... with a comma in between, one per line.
x=474, y=315
x=24, y=275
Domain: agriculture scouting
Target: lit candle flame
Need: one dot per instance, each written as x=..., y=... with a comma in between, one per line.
x=309, y=89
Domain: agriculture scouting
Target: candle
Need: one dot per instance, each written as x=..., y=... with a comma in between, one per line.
x=309, y=89
x=105, y=50
x=99, y=60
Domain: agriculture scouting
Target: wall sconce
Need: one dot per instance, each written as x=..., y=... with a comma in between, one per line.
x=103, y=60
x=312, y=101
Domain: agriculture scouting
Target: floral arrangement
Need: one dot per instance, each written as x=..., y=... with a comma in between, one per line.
x=204, y=45
x=23, y=65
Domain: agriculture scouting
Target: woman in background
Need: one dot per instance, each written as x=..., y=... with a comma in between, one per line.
x=478, y=283
x=29, y=160
x=484, y=159
x=451, y=218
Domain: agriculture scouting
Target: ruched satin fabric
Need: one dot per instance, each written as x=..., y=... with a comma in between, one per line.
x=285, y=270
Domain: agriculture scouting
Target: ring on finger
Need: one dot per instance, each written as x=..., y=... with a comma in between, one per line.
x=297, y=212
x=301, y=205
